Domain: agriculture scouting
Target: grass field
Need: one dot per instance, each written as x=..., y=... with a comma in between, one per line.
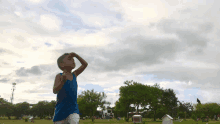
x=99, y=121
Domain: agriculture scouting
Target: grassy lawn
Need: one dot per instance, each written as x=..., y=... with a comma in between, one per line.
x=99, y=121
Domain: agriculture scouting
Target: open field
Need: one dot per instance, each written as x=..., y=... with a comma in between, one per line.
x=99, y=121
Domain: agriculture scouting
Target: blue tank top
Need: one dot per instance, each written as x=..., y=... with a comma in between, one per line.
x=66, y=100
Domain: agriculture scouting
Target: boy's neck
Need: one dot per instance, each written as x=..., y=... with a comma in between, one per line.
x=67, y=72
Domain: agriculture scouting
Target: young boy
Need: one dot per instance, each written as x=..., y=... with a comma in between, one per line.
x=65, y=86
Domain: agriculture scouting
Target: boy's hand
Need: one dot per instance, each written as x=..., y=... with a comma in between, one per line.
x=63, y=78
x=72, y=54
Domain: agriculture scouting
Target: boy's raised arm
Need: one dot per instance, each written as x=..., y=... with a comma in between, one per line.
x=82, y=61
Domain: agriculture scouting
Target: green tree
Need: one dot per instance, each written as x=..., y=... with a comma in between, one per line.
x=51, y=108
x=169, y=100
x=161, y=111
x=40, y=109
x=21, y=108
x=6, y=108
x=137, y=94
x=90, y=101
x=155, y=99
x=127, y=97
x=119, y=110
x=194, y=117
x=209, y=109
x=186, y=108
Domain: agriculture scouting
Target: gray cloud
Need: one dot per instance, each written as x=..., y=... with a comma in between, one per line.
x=5, y=24
x=129, y=53
x=19, y=38
x=2, y=50
x=5, y=63
x=206, y=27
x=205, y=79
x=35, y=91
x=35, y=70
x=185, y=11
x=186, y=34
x=136, y=51
x=19, y=81
x=4, y=80
x=192, y=38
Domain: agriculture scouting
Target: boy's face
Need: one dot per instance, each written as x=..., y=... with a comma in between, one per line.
x=68, y=62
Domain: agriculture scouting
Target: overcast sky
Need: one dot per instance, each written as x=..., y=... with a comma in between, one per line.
x=171, y=42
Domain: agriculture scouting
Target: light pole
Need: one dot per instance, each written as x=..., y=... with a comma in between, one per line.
x=13, y=92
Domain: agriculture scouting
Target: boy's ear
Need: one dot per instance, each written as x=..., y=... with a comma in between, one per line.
x=61, y=64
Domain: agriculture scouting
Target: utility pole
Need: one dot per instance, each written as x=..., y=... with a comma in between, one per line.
x=13, y=92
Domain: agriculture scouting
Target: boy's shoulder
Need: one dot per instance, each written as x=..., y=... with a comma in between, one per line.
x=74, y=73
x=58, y=75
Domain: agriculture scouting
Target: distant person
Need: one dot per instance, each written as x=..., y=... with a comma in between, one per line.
x=65, y=86
x=32, y=119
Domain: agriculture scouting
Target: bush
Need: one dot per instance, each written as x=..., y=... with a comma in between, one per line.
x=194, y=117
x=93, y=118
x=26, y=119
x=203, y=115
x=127, y=119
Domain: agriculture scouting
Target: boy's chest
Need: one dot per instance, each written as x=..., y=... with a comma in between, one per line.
x=69, y=77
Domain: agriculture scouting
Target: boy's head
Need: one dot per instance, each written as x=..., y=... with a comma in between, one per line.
x=66, y=62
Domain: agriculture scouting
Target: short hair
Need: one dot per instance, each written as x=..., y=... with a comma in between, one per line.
x=60, y=59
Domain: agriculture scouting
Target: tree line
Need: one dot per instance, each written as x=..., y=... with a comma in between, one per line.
x=88, y=102
x=160, y=101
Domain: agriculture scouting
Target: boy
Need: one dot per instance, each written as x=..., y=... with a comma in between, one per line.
x=65, y=86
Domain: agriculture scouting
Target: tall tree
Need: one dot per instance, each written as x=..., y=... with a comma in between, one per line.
x=51, y=107
x=20, y=108
x=130, y=94
x=137, y=94
x=90, y=101
x=186, y=108
x=155, y=99
x=6, y=108
x=141, y=94
x=169, y=100
x=120, y=109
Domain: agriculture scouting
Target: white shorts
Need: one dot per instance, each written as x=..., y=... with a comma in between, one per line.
x=71, y=119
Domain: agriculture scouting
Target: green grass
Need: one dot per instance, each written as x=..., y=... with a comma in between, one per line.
x=99, y=121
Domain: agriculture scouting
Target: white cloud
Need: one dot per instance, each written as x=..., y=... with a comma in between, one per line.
x=36, y=1
x=94, y=20
x=18, y=13
x=50, y=22
x=20, y=42
x=31, y=15
x=144, y=12
x=112, y=89
x=80, y=38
